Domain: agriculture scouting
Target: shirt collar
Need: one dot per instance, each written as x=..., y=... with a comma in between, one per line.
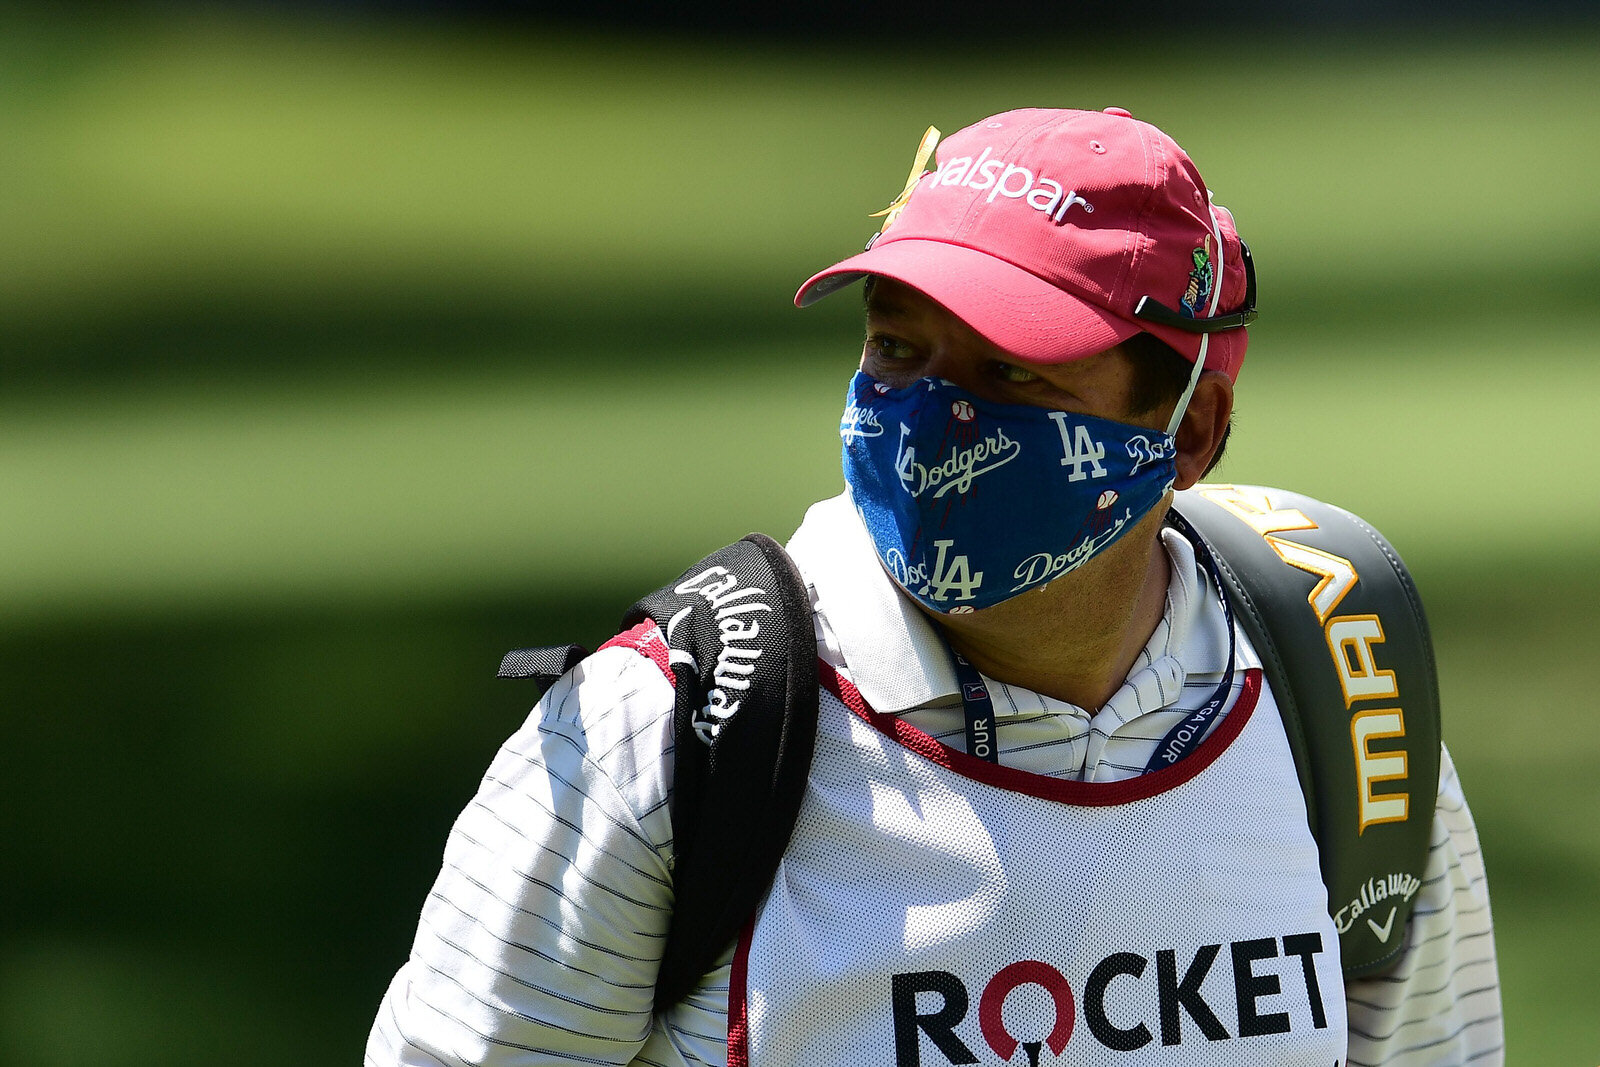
x=897, y=660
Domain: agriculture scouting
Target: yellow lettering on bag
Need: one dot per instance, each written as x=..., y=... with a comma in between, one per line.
x=1252, y=508
x=1337, y=573
x=1350, y=640
x=1374, y=767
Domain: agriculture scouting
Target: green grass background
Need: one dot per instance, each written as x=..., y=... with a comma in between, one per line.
x=339, y=357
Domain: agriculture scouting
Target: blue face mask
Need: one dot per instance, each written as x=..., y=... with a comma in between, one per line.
x=971, y=503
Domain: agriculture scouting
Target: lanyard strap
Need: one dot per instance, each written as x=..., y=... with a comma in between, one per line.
x=975, y=700
x=1185, y=737
x=1181, y=740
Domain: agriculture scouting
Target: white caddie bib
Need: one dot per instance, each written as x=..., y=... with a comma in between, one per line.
x=935, y=909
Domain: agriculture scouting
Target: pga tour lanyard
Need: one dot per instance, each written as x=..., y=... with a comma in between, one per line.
x=1181, y=740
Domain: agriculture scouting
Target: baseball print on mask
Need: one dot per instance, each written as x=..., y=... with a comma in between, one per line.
x=970, y=503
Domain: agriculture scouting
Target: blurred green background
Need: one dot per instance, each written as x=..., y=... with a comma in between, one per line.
x=339, y=355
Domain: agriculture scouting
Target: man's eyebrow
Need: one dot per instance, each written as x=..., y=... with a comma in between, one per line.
x=882, y=306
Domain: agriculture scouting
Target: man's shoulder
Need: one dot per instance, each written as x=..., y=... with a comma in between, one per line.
x=614, y=704
x=630, y=669
x=825, y=522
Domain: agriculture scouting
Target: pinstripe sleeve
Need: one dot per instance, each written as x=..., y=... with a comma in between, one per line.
x=1440, y=1005
x=541, y=938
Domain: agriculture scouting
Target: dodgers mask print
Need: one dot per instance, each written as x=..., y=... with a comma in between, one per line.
x=970, y=503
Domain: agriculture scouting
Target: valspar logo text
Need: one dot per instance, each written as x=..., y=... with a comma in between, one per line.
x=1260, y=987
x=1011, y=181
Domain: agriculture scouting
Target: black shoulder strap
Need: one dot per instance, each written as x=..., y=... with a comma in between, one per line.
x=1334, y=615
x=543, y=665
x=744, y=652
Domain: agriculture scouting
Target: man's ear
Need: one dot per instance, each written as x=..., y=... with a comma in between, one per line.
x=1204, y=425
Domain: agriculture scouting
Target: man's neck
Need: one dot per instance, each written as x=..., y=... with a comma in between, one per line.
x=1077, y=638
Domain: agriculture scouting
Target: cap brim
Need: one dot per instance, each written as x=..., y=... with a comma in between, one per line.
x=1019, y=312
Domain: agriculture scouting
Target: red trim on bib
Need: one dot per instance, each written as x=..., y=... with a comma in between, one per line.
x=738, y=1004
x=646, y=640
x=1089, y=794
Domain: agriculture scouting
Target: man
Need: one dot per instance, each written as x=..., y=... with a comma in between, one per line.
x=1010, y=847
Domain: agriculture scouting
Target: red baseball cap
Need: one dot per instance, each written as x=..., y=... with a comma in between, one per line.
x=1058, y=234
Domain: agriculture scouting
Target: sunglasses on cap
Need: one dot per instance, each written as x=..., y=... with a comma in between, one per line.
x=1152, y=310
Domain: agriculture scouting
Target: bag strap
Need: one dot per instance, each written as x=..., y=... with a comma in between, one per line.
x=1337, y=621
x=543, y=665
x=743, y=650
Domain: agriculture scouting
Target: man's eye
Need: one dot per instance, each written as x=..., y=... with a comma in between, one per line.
x=1010, y=372
x=887, y=347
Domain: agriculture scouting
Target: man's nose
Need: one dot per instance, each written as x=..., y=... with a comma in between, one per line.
x=959, y=366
